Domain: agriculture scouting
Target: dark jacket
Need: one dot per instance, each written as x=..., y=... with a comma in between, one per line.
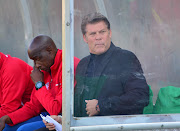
x=118, y=84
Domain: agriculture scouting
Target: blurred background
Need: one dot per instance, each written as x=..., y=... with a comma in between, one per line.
x=149, y=28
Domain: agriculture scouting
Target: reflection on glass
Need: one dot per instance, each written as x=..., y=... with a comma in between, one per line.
x=150, y=30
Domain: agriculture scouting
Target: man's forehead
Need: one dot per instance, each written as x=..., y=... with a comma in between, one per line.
x=96, y=23
x=34, y=52
x=95, y=27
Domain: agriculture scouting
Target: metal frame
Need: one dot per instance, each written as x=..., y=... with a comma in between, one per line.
x=117, y=127
x=127, y=122
x=68, y=61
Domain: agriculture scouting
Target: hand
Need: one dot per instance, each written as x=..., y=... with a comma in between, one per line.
x=36, y=75
x=3, y=120
x=91, y=107
x=57, y=118
x=51, y=126
x=2, y=124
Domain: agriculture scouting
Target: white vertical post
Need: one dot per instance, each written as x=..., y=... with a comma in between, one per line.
x=68, y=62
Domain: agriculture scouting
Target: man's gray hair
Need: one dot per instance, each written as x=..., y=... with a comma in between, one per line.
x=92, y=19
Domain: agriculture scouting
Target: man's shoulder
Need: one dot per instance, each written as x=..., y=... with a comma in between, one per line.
x=119, y=52
x=17, y=63
x=84, y=60
x=83, y=63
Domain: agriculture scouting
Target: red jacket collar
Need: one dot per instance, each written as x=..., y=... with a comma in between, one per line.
x=2, y=57
x=57, y=63
x=57, y=60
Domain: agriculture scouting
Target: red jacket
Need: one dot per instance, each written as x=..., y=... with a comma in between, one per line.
x=48, y=98
x=15, y=83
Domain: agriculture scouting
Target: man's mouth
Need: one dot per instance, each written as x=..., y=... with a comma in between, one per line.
x=39, y=69
x=99, y=44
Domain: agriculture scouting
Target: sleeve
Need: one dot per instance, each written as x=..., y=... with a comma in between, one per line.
x=135, y=96
x=13, y=86
x=29, y=110
x=27, y=93
x=54, y=106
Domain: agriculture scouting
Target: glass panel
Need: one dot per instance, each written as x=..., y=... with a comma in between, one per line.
x=46, y=18
x=81, y=8
x=148, y=28
x=11, y=29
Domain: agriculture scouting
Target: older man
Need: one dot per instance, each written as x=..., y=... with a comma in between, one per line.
x=110, y=80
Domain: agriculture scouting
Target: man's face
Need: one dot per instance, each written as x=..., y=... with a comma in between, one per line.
x=98, y=37
x=43, y=61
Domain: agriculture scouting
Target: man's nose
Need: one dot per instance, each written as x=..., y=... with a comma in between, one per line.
x=37, y=65
x=98, y=36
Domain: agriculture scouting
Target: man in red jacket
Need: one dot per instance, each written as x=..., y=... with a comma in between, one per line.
x=47, y=94
x=15, y=84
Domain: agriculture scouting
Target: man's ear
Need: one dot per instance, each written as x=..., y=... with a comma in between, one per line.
x=110, y=33
x=85, y=38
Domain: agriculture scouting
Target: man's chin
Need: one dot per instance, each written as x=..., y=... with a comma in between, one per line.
x=100, y=51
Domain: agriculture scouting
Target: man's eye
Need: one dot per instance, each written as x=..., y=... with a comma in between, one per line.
x=103, y=31
x=37, y=58
x=92, y=34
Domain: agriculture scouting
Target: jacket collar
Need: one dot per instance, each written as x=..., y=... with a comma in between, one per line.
x=57, y=61
x=103, y=59
x=2, y=57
